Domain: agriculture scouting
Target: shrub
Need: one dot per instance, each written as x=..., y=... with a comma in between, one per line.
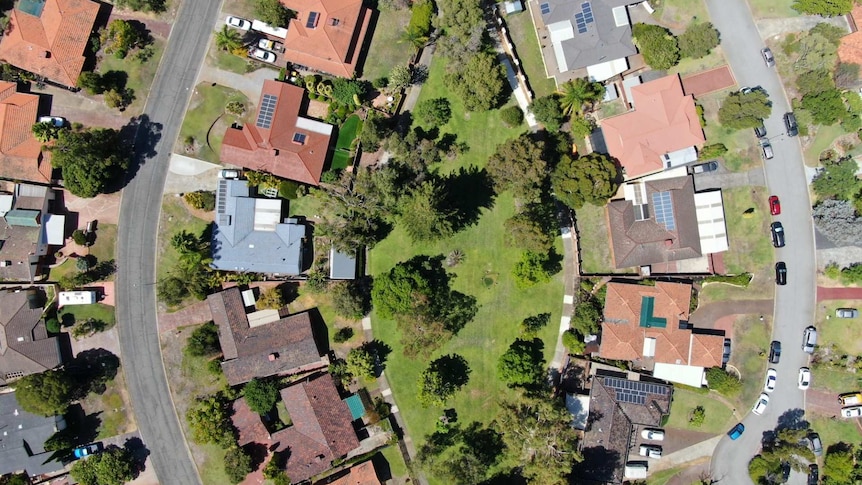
x=201, y=200
x=512, y=116
x=342, y=335
x=172, y=290
x=350, y=299
x=79, y=237
x=832, y=271
x=532, y=269
x=712, y=151
x=380, y=82
x=271, y=299
x=697, y=416
x=658, y=46
x=53, y=325
x=530, y=326
x=698, y=40
x=719, y=380
x=360, y=362
x=573, y=342
x=88, y=328
x=237, y=464
x=203, y=341
x=82, y=264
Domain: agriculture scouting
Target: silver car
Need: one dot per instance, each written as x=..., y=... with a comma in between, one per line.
x=847, y=313
x=768, y=58
x=809, y=339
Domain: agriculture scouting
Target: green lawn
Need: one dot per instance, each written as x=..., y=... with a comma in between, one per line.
x=824, y=138
x=386, y=49
x=231, y=62
x=748, y=232
x=393, y=457
x=79, y=313
x=594, y=240
x=834, y=379
x=102, y=249
x=841, y=332
x=772, y=9
x=346, y=134
x=718, y=416
x=836, y=430
x=743, y=152
x=174, y=218
x=663, y=477
x=689, y=66
x=751, y=339
x=141, y=74
x=113, y=416
x=207, y=105
x=523, y=35
x=677, y=14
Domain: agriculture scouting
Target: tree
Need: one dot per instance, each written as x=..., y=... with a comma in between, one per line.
x=361, y=362
x=442, y=379
x=201, y=200
x=815, y=52
x=698, y=40
x=91, y=82
x=512, y=116
x=478, y=83
x=350, y=299
x=121, y=36
x=832, y=33
x=424, y=213
x=273, y=12
x=578, y=92
x=826, y=107
x=209, y=420
x=228, y=39
x=90, y=160
x=837, y=180
x=45, y=131
x=522, y=364
x=574, y=342
x=237, y=464
x=581, y=127
x=114, y=466
x=260, y=395
x=271, y=299
x=374, y=131
x=826, y=8
x=172, y=290
x=48, y=393
x=539, y=438
x=846, y=75
x=421, y=14
x=587, y=318
x=838, y=466
x=838, y=222
x=591, y=179
x=815, y=81
x=434, y=112
x=530, y=326
x=712, y=151
x=518, y=165
x=548, y=112
x=401, y=77
x=533, y=269
x=658, y=46
x=527, y=231
x=739, y=111
x=462, y=23
x=347, y=91
x=723, y=382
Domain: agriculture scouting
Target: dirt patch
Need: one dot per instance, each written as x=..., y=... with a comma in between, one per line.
x=317, y=109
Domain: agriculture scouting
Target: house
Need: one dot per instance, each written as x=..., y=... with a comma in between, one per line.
x=618, y=403
x=262, y=343
x=663, y=131
x=49, y=38
x=280, y=141
x=252, y=234
x=28, y=232
x=850, y=48
x=361, y=474
x=321, y=429
x=24, y=437
x=21, y=156
x=649, y=326
x=590, y=35
x=662, y=224
x=25, y=347
x=326, y=35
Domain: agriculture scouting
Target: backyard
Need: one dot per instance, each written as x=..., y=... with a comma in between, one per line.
x=387, y=50
x=206, y=121
x=523, y=35
x=343, y=147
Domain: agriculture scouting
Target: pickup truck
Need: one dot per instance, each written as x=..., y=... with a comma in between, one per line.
x=270, y=45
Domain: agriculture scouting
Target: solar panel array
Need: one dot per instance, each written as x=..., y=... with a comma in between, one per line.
x=312, y=20
x=546, y=8
x=634, y=392
x=267, y=108
x=222, y=195
x=584, y=17
x=588, y=12
x=663, y=210
x=299, y=138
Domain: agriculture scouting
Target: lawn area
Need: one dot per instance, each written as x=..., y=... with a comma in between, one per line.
x=206, y=108
x=834, y=379
x=523, y=35
x=747, y=220
x=689, y=66
x=594, y=240
x=718, y=416
x=397, y=467
x=742, y=152
x=386, y=49
x=677, y=14
x=346, y=134
x=141, y=74
x=230, y=62
x=174, y=218
x=841, y=332
x=111, y=409
x=836, y=430
x=68, y=315
x=102, y=249
x=663, y=477
x=751, y=339
x=823, y=139
x=772, y=9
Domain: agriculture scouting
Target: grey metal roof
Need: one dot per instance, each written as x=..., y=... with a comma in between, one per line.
x=23, y=439
x=603, y=40
x=342, y=266
x=237, y=245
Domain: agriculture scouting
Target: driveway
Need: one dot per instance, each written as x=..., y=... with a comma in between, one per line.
x=723, y=179
x=838, y=293
x=707, y=315
x=708, y=81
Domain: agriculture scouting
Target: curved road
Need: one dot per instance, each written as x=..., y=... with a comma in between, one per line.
x=785, y=177
x=139, y=218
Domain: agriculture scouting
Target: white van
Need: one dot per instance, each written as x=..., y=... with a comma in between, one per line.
x=636, y=470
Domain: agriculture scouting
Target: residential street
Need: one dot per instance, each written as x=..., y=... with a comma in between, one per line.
x=139, y=215
x=785, y=176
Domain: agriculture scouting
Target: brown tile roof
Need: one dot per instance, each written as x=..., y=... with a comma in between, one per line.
x=248, y=424
x=19, y=245
x=664, y=120
x=639, y=243
x=850, y=48
x=706, y=350
x=53, y=44
x=272, y=148
x=334, y=43
x=20, y=152
x=25, y=347
x=281, y=347
x=362, y=474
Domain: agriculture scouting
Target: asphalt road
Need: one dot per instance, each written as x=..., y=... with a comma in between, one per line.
x=785, y=177
x=139, y=218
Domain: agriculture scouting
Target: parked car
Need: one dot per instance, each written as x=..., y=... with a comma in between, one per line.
x=850, y=398
x=777, y=234
x=809, y=339
x=229, y=173
x=780, y=273
x=813, y=474
x=57, y=121
x=804, y=378
x=653, y=434
x=85, y=451
x=790, y=124
x=736, y=431
x=774, y=352
x=262, y=55
x=774, y=205
x=785, y=471
x=766, y=149
x=710, y=166
x=270, y=45
x=771, y=377
x=847, y=313
x=768, y=58
x=760, y=131
x=761, y=404
x=851, y=412
x=815, y=443
x=746, y=90
x=236, y=22
x=650, y=451
x=725, y=357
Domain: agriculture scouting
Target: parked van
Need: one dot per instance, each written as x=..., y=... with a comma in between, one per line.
x=850, y=399
x=636, y=470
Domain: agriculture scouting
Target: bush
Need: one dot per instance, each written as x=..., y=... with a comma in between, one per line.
x=573, y=342
x=719, y=380
x=360, y=363
x=260, y=395
x=548, y=111
x=82, y=264
x=350, y=300
x=237, y=464
x=342, y=335
x=420, y=18
x=698, y=40
x=697, y=417
x=172, y=290
x=434, y=112
x=203, y=341
x=52, y=325
x=530, y=326
x=533, y=269
x=79, y=237
x=658, y=46
x=832, y=271
x=712, y=151
x=512, y=116
x=201, y=200
x=380, y=82
x=271, y=299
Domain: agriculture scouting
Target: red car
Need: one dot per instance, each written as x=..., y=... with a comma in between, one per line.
x=774, y=205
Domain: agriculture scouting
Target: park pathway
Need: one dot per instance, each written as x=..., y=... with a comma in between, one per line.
x=570, y=278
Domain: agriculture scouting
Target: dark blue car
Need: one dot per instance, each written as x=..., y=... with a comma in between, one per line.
x=736, y=431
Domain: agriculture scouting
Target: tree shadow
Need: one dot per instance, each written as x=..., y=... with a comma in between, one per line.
x=92, y=369
x=468, y=191
x=319, y=330
x=599, y=464
x=486, y=443
x=453, y=369
x=139, y=451
x=380, y=350
x=792, y=419
x=382, y=467
x=143, y=135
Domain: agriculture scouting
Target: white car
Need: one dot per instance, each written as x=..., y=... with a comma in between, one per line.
x=851, y=412
x=653, y=434
x=650, y=451
x=804, y=378
x=265, y=56
x=236, y=22
x=771, y=377
x=762, y=401
x=57, y=121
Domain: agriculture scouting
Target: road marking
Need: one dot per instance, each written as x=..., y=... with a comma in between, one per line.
x=387, y=392
x=569, y=299
x=564, y=324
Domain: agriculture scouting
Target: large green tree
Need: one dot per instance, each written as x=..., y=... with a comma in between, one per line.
x=548, y=111
x=90, y=160
x=522, y=364
x=228, y=39
x=697, y=40
x=48, y=393
x=658, y=46
x=209, y=420
x=518, y=165
x=114, y=466
x=839, y=466
x=462, y=23
x=826, y=107
x=815, y=52
x=203, y=341
x=837, y=180
x=237, y=464
x=478, y=83
x=826, y=8
x=744, y=110
x=442, y=378
x=273, y=12
x=591, y=179
x=360, y=362
x=529, y=229
x=260, y=395
x=425, y=214
x=579, y=92
x=434, y=112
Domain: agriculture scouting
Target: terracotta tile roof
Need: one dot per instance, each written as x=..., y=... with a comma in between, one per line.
x=664, y=120
x=248, y=424
x=25, y=347
x=20, y=152
x=284, y=346
x=644, y=242
x=53, y=44
x=362, y=474
x=270, y=147
x=850, y=48
x=326, y=35
x=706, y=350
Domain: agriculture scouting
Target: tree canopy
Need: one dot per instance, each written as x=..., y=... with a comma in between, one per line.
x=698, y=40
x=518, y=165
x=523, y=363
x=548, y=111
x=260, y=395
x=273, y=12
x=826, y=107
x=203, y=340
x=90, y=160
x=114, y=466
x=826, y=8
x=48, y=393
x=591, y=179
x=463, y=27
x=837, y=180
x=748, y=110
x=658, y=46
x=462, y=455
x=478, y=83
x=209, y=420
x=578, y=92
x=442, y=378
x=434, y=112
x=425, y=214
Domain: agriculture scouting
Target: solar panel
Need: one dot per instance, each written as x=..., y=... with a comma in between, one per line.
x=312, y=20
x=546, y=8
x=663, y=209
x=267, y=108
x=299, y=138
x=585, y=5
x=588, y=17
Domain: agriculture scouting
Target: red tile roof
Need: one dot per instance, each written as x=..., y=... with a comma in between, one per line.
x=706, y=350
x=271, y=147
x=20, y=152
x=51, y=45
x=334, y=42
x=362, y=474
x=850, y=48
x=664, y=120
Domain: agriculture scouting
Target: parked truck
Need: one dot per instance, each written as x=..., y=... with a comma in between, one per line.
x=270, y=45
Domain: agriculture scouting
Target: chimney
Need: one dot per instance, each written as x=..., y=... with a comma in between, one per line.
x=274, y=152
x=273, y=356
x=668, y=242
